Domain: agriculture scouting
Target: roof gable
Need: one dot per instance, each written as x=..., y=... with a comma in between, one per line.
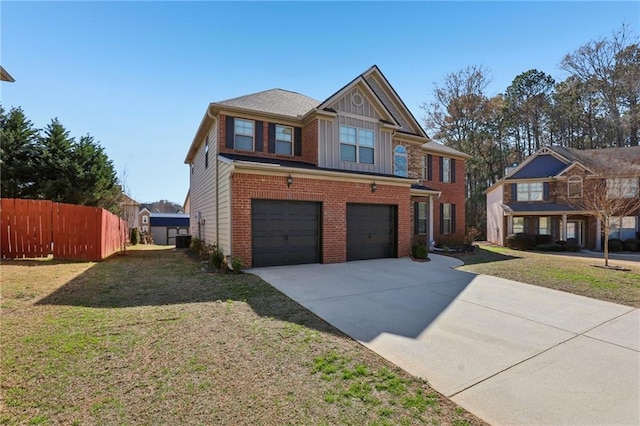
x=543, y=165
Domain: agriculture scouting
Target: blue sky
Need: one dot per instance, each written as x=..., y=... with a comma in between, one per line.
x=138, y=75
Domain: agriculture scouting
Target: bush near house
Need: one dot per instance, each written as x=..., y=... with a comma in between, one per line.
x=631, y=244
x=521, y=241
x=615, y=245
x=135, y=236
x=419, y=251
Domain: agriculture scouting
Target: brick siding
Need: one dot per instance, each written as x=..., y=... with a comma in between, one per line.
x=334, y=196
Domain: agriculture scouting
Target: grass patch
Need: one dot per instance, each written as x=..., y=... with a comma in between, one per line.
x=151, y=338
x=571, y=274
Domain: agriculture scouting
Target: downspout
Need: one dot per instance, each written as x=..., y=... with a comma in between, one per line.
x=217, y=202
x=231, y=172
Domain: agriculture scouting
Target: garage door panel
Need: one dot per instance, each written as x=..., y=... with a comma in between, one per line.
x=371, y=231
x=285, y=232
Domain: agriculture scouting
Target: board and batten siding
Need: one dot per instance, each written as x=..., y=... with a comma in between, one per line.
x=203, y=191
x=495, y=216
x=346, y=104
x=329, y=145
x=224, y=207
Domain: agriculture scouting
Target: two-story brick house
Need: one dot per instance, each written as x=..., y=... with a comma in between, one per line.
x=544, y=195
x=278, y=178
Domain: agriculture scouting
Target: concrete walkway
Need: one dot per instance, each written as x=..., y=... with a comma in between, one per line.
x=511, y=353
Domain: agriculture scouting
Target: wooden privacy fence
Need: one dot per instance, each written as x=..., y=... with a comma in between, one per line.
x=37, y=228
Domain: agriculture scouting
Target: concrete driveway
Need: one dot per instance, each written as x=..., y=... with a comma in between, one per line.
x=511, y=353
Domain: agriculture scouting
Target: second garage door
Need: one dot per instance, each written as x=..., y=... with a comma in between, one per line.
x=285, y=232
x=371, y=231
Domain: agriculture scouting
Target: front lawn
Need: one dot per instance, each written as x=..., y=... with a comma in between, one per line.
x=150, y=338
x=571, y=274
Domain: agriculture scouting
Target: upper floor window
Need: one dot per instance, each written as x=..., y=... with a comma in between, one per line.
x=574, y=187
x=145, y=219
x=400, y=161
x=243, y=134
x=446, y=169
x=622, y=188
x=356, y=144
x=284, y=140
x=530, y=191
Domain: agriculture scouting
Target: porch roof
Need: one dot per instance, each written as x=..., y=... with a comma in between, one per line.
x=540, y=208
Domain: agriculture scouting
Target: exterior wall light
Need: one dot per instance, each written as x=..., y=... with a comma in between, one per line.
x=289, y=181
x=374, y=187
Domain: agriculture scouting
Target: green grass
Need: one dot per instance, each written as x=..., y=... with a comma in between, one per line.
x=571, y=274
x=151, y=338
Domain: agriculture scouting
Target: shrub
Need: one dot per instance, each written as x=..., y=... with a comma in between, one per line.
x=472, y=235
x=418, y=251
x=542, y=239
x=216, y=257
x=135, y=236
x=236, y=265
x=631, y=244
x=615, y=245
x=520, y=241
x=572, y=246
x=451, y=241
x=549, y=247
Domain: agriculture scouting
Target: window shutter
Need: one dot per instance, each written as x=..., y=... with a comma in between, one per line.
x=545, y=191
x=453, y=218
x=271, y=144
x=453, y=170
x=429, y=167
x=415, y=218
x=441, y=218
x=258, y=137
x=441, y=169
x=514, y=192
x=297, y=141
x=230, y=130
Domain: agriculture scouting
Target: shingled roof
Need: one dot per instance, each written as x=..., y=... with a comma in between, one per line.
x=275, y=101
x=613, y=160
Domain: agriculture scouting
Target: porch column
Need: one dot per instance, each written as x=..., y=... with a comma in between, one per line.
x=509, y=224
x=563, y=231
x=430, y=223
x=598, y=234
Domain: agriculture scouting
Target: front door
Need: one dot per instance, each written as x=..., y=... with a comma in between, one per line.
x=575, y=229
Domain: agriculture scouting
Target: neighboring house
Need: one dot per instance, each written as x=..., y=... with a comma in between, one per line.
x=129, y=211
x=165, y=227
x=186, y=206
x=5, y=76
x=145, y=220
x=543, y=195
x=279, y=178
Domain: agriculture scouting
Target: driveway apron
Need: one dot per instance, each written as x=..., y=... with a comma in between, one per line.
x=509, y=352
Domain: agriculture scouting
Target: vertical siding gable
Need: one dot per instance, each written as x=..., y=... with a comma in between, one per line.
x=396, y=110
x=345, y=104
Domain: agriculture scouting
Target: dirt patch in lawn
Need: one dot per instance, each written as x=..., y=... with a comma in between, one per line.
x=151, y=338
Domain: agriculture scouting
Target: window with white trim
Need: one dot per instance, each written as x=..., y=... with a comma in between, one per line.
x=446, y=218
x=623, y=227
x=574, y=187
x=145, y=228
x=243, y=134
x=518, y=224
x=356, y=145
x=530, y=191
x=425, y=167
x=544, y=225
x=422, y=218
x=446, y=169
x=622, y=188
x=284, y=140
x=400, y=161
x=145, y=219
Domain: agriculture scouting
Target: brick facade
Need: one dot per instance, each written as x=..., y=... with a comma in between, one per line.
x=334, y=196
x=309, y=134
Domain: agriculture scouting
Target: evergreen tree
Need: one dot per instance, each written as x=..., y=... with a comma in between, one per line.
x=19, y=155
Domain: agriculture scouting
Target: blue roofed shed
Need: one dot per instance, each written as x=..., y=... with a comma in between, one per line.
x=165, y=227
